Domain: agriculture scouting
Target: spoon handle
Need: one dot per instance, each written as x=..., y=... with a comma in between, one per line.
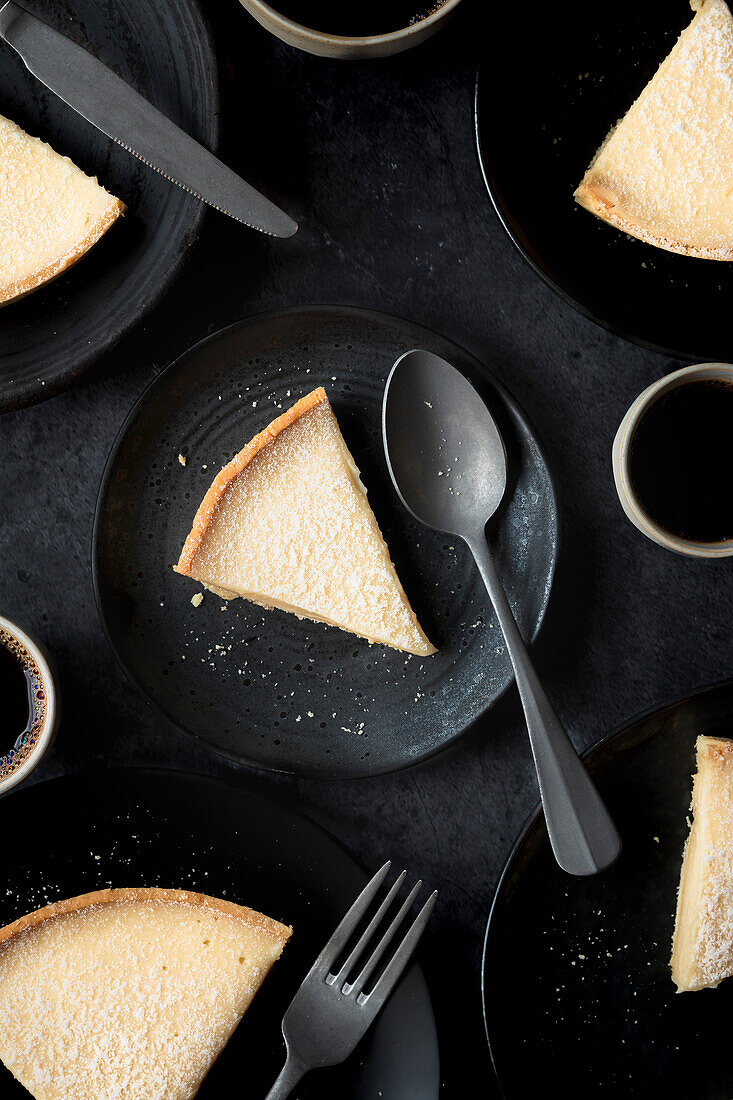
x=583, y=836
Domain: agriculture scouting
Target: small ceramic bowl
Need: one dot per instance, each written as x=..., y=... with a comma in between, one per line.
x=620, y=459
x=336, y=45
x=52, y=701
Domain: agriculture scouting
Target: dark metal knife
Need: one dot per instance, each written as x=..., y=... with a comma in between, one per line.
x=101, y=97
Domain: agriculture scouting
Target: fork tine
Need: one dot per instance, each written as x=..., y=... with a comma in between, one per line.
x=350, y=921
x=368, y=931
x=399, y=960
x=386, y=939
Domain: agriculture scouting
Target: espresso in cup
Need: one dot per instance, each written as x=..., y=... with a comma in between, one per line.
x=334, y=28
x=30, y=706
x=671, y=461
x=680, y=460
x=23, y=693
x=356, y=20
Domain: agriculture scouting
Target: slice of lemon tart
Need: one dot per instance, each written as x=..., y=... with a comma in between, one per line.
x=128, y=993
x=287, y=524
x=665, y=172
x=702, y=951
x=51, y=213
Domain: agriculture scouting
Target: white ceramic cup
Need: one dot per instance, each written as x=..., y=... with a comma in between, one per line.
x=620, y=459
x=52, y=701
x=336, y=45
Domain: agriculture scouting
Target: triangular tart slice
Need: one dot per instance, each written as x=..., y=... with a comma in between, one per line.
x=702, y=952
x=664, y=172
x=287, y=524
x=51, y=213
x=128, y=993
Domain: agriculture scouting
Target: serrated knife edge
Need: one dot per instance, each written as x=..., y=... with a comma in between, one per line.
x=122, y=114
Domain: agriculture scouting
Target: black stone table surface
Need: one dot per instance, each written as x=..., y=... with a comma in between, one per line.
x=377, y=161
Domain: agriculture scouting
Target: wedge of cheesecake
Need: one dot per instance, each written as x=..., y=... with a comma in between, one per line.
x=51, y=213
x=128, y=993
x=287, y=524
x=665, y=173
x=702, y=951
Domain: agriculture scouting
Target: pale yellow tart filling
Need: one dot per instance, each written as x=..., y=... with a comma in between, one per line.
x=51, y=213
x=128, y=994
x=665, y=173
x=702, y=951
x=287, y=524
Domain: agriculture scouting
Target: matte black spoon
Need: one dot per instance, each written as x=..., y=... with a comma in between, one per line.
x=448, y=465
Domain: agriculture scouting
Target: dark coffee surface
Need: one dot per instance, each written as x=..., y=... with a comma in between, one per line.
x=22, y=703
x=377, y=161
x=355, y=20
x=13, y=700
x=680, y=462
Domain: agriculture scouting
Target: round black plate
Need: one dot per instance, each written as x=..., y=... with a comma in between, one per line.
x=540, y=116
x=576, y=981
x=156, y=828
x=263, y=687
x=164, y=50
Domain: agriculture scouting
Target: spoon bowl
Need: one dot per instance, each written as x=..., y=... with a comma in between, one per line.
x=448, y=464
x=445, y=454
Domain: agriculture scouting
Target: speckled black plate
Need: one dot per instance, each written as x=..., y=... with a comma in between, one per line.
x=159, y=828
x=262, y=686
x=541, y=113
x=576, y=978
x=164, y=50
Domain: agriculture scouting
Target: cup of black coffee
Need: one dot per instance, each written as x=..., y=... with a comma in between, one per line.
x=333, y=28
x=672, y=461
x=30, y=704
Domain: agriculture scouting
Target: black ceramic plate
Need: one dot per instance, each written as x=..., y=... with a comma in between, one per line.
x=156, y=828
x=162, y=49
x=261, y=686
x=576, y=982
x=541, y=113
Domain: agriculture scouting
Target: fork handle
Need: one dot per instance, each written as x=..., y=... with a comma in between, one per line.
x=582, y=834
x=293, y=1070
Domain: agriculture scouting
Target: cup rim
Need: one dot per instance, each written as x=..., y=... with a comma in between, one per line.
x=313, y=35
x=48, y=729
x=622, y=446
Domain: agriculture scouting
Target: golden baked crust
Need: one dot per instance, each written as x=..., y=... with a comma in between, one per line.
x=287, y=524
x=702, y=949
x=13, y=289
x=233, y=469
x=51, y=212
x=97, y=898
x=602, y=203
x=132, y=992
x=663, y=172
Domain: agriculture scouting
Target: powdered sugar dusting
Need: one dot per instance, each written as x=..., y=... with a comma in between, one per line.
x=49, y=211
x=130, y=1000
x=703, y=952
x=294, y=530
x=666, y=172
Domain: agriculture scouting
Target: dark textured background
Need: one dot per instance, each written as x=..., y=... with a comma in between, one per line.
x=377, y=160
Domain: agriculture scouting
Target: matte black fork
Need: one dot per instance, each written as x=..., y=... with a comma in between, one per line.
x=329, y=1014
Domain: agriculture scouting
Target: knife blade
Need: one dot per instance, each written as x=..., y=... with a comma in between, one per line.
x=105, y=100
